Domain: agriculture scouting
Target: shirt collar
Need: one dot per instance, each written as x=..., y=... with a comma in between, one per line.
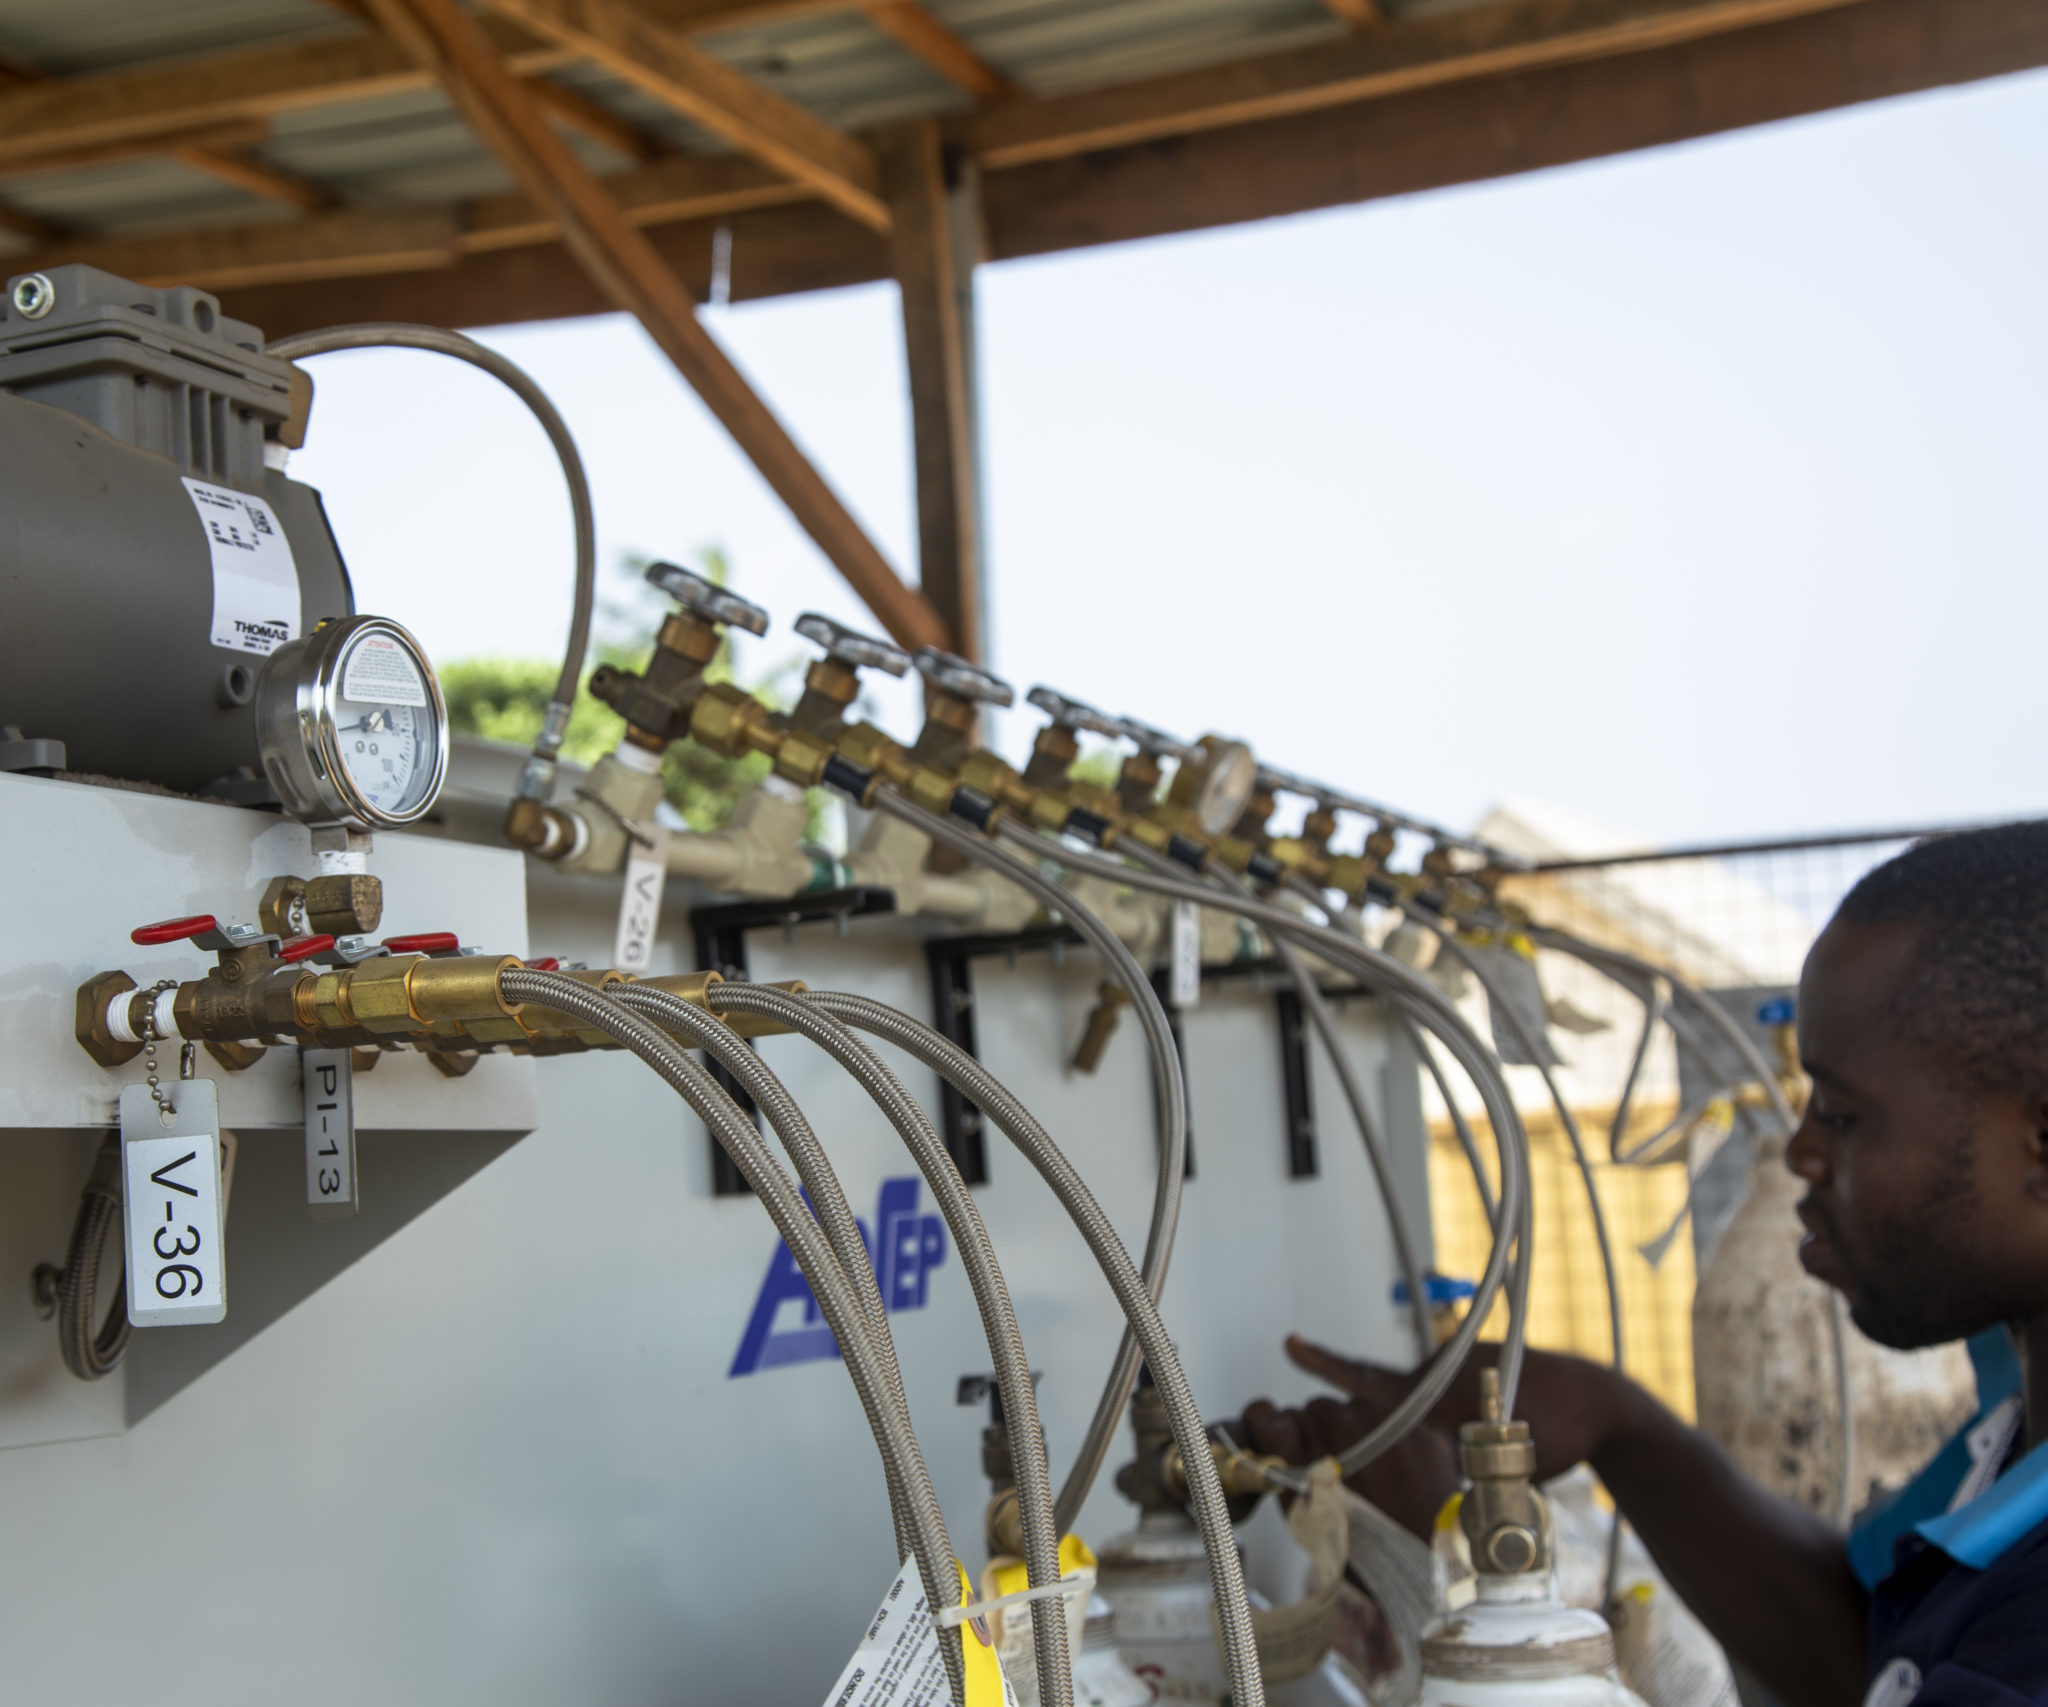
x=1975, y=1534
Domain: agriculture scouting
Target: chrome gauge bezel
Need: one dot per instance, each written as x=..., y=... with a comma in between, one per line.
x=296, y=725
x=1230, y=774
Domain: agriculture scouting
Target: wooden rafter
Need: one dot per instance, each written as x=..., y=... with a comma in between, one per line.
x=667, y=65
x=264, y=82
x=926, y=256
x=218, y=151
x=1417, y=53
x=365, y=242
x=940, y=48
x=1404, y=54
x=578, y=111
x=1364, y=14
x=240, y=133
x=1452, y=134
x=628, y=268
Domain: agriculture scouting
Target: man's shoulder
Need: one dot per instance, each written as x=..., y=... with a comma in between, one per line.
x=1957, y=1622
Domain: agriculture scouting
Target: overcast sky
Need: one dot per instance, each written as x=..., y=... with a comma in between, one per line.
x=1700, y=490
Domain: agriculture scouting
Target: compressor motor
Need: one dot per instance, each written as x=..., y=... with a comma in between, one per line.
x=152, y=552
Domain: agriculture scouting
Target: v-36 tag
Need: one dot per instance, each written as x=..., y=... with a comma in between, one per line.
x=329, y=1076
x=171, y=1206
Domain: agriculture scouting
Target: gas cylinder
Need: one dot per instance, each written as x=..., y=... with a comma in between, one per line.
x=1156, y=1578
x=1515, y=1643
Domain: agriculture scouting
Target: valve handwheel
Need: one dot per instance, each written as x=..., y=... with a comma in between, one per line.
x=954, y=675
x=850, y=646
x=706, y=598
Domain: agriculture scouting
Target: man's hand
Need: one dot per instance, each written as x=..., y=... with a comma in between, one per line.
x=1572, y=1407
x=1771, y=1582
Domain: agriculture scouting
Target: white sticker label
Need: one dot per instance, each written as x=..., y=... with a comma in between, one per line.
x=329, y=1076
x=381, y=672
x=640, y=900
x=1185, y=959
x=255, y=582
x=898, y=1663
x=170, y=1175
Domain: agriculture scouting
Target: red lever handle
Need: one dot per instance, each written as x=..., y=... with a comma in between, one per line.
x=548, y=964
x=303, y=947
x=174, y=930
x=426, y=942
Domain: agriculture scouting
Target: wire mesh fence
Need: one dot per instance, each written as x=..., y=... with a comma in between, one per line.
x=1737, y=921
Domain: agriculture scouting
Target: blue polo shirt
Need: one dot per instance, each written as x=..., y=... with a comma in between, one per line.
x=1959, y=1599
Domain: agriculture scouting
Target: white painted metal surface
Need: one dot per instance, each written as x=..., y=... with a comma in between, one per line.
x=500, y=1453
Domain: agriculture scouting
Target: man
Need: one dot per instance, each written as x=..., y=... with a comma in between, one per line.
x=1923, y=1024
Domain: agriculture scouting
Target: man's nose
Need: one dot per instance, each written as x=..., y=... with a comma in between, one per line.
x=1806, y=1153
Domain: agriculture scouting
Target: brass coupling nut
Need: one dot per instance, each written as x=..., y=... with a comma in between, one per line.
x=546, y=832
x=730, y=721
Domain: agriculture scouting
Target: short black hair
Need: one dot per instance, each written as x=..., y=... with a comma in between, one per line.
x=1975, y=996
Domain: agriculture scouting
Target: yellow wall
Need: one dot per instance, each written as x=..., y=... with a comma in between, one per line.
x=1567, y=1293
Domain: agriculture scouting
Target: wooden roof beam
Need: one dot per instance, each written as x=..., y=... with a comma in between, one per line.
x=665, y=64
x=362, y=243
x=155, y=100
x=1403, y=56
x=1360, y=14
x=219, y=155
x=940, y=48
x=632, y=272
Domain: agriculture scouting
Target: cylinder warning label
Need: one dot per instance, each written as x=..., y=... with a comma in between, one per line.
x=255, y=581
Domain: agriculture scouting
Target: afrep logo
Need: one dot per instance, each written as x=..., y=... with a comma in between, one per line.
x=903, y=1248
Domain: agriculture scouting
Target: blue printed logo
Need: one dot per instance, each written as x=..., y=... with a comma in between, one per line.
x=903, y=1248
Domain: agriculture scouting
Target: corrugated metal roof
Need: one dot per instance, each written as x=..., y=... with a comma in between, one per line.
x=414, y=148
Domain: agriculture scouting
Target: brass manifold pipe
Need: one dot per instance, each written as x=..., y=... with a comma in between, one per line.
x=730, y=721
x=441, y=1004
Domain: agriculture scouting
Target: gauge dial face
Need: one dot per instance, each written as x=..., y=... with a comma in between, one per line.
x=1230, y=776
x=383, y=734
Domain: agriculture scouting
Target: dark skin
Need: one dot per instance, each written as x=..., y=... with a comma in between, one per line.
x=1927, y=1208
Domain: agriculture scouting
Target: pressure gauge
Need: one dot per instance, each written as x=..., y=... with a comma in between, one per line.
x=351, y=725
x=1228, y=778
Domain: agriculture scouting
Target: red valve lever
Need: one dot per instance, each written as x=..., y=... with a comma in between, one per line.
x=426, y=942
x=174, y=930
x=549, y=964
x=304, y=947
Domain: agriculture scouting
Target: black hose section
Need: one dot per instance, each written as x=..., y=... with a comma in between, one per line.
x=1428, y=1005
x=828, y=1201
x=87, y=1353
x=991, y=1297
x=937, y=1566
x=1017, y=1123
x=1317, y=1007
x=1171, y=1092
x=436, y=340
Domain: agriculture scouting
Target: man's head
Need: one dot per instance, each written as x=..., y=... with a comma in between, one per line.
x=1923, y=1020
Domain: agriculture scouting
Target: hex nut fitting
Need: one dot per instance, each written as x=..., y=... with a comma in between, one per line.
x=91, y=1026
x=344, y=905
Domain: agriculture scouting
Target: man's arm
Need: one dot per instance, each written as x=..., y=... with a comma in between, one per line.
x=1769, y=1580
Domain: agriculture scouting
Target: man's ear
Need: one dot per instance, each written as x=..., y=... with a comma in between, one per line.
x=2035, y=1163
